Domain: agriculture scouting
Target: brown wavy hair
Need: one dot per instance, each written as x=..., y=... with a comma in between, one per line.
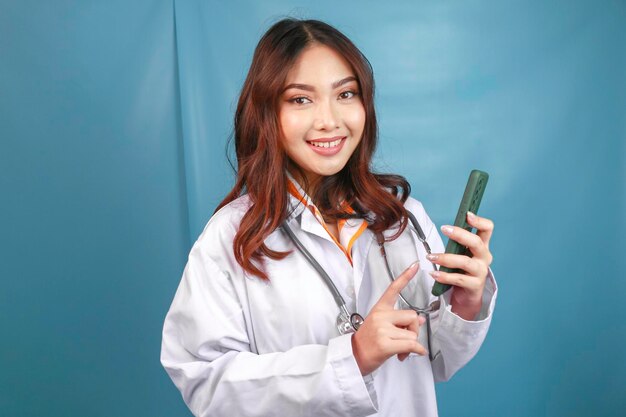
x=262, y=162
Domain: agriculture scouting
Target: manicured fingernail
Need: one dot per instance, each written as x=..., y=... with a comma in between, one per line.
x=471, y=215
x=414, y=265
x=432, y=257
x=447, y=230
x=435, y=274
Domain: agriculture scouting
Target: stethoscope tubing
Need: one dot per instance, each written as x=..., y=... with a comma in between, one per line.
x=434, y=306
x=347, y=322
x=329, y=282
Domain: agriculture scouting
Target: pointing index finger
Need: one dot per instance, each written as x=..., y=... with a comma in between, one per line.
x=389, y=297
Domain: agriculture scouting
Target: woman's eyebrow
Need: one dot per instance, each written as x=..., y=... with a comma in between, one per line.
x=307, y=87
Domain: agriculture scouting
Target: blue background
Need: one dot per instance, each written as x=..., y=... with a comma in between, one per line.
x=114, y=118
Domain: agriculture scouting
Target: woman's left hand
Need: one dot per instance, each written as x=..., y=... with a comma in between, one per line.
x=466, y=299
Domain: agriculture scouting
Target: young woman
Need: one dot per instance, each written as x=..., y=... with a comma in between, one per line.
x=287, y=306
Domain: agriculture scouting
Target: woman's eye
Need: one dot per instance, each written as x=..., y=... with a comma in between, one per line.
x=300, y=100
x=347, y=94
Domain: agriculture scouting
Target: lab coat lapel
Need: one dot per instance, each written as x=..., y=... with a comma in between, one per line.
x=301, y=202
x=310, y=224
x=360, y=252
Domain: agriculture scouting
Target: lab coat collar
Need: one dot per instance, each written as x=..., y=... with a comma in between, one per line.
x=303, y=211
x=299, y=200
x=311, y=220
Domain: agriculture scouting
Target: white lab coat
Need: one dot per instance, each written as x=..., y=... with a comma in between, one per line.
x=235, y=345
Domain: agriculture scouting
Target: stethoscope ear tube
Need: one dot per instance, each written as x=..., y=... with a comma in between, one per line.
x=434, y=306
x=329, y=282
x=346, y=322
x=418, y=228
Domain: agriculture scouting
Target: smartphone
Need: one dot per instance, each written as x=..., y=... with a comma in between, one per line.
x=470, y=202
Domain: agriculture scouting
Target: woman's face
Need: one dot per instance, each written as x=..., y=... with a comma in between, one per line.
x=320, y=112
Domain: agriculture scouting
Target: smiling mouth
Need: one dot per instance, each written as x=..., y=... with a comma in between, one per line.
x=326, y=143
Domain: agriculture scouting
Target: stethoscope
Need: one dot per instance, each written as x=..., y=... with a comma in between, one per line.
x=350, y=323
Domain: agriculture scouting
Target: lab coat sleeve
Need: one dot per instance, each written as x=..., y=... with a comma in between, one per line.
x=455, y=340
x=206, y=350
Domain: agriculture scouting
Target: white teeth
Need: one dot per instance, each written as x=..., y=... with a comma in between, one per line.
x=326, y=144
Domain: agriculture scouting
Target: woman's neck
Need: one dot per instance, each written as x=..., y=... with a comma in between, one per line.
x=309, y=182
x=333, y=230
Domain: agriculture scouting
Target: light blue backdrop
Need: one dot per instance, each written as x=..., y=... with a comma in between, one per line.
x=113, y=123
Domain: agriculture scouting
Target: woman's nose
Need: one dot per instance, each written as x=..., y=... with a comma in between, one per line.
x=326, y=116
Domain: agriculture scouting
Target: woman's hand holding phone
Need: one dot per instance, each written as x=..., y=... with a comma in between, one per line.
x=466, y=298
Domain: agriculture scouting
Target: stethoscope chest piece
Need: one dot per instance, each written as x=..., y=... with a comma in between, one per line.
x=356, y=320
x=347, y=325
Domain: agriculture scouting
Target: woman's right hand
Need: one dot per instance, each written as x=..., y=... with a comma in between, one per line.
x=387, y=331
